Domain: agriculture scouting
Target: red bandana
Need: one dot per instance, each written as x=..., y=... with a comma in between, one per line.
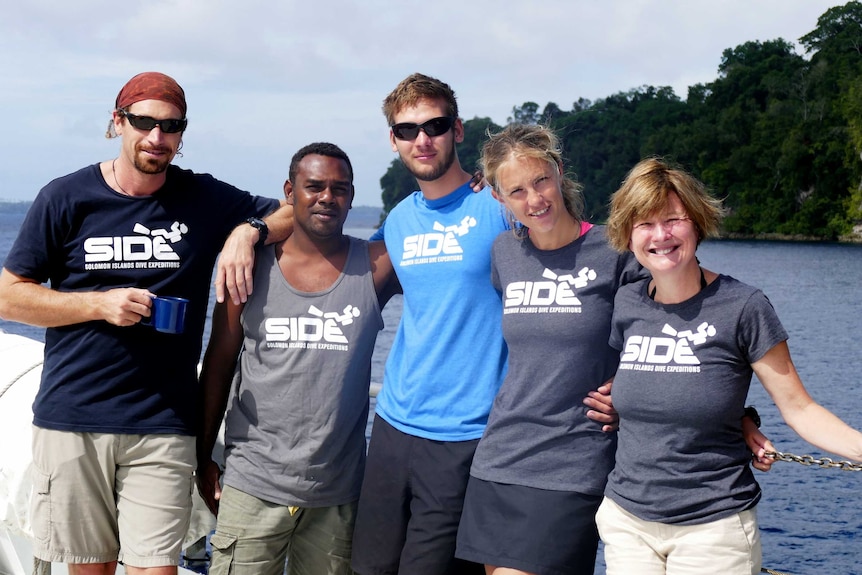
x=152, y=86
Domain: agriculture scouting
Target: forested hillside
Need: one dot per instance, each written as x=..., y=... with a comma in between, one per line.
x=776, y=134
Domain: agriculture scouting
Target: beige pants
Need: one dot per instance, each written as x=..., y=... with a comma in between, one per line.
x=100, y=497
x=730, y=546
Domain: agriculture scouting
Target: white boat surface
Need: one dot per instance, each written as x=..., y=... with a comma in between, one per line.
x=21, y=361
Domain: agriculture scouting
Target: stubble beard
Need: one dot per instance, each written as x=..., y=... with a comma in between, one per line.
x=150, y=165
x=432, y=173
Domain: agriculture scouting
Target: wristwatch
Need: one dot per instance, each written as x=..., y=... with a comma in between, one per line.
x=752, y=413
x=261, y=227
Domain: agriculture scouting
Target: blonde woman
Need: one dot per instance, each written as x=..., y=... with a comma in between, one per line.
x=540, y=468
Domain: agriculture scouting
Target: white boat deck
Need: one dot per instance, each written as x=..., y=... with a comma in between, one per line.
x=21, y=361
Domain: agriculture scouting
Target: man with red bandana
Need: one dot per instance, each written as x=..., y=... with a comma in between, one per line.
x=114, y=418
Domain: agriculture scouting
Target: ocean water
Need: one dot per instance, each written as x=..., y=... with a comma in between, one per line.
x=810, y=518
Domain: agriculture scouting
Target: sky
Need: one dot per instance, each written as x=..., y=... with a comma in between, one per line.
x=265, y=77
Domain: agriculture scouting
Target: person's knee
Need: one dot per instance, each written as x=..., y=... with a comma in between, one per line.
x=163, y=570
x=93, y=568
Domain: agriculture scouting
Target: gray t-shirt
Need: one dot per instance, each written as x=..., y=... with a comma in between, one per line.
x=680, y=390
x=295, y=427
x=557, y=308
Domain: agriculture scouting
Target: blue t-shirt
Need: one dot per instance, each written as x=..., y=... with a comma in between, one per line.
x=448, y=357
x=80, y=235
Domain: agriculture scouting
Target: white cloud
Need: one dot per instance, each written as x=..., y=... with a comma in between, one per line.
x=264, y=78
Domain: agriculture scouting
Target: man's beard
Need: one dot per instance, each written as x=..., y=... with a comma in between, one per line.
x=436, y=171
x=152, y=165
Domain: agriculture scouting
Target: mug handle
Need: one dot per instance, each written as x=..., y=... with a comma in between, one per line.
x=149, y=320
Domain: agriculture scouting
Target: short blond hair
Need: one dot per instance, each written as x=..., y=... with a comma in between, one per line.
x=414, y=88
x=645, y=192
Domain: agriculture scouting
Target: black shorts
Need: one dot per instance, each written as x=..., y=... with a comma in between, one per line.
x=410, y=505
x=534, y=530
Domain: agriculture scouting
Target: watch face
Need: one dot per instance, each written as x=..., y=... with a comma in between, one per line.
x=261, y=227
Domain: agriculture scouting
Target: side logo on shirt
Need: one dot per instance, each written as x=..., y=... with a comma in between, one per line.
x=552, y=296
x=317, y=330
x=148, y=249
x=666, y=354
x=439, y=245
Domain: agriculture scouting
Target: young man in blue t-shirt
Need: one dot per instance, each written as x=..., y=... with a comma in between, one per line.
x=448, y=356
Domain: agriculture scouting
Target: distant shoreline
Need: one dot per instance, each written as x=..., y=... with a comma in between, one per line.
x=368, y=217
x=357, y=217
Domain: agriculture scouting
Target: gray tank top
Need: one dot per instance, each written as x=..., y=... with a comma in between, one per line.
x=295, y=426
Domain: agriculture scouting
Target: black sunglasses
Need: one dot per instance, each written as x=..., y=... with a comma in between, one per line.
x=433, y=127
x=168, y=126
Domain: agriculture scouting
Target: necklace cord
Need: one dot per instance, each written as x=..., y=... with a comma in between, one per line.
x=116, y=181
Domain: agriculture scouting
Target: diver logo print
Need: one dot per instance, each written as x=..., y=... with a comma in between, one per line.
x=439, y=245
x=318, y=330
x=148, y=249
x=555, y=295
x=666, y=354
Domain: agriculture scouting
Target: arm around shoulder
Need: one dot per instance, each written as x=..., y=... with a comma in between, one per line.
x=235, y=269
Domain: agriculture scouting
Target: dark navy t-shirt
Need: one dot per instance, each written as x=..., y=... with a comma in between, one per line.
x=80, y=235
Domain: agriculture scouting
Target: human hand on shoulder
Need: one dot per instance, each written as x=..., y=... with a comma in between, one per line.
x=478, y=181
x=235, y=269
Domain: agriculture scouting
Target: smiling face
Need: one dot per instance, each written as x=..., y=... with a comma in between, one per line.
x=530, y=188
x=665, y=241
x=321, y=194
x=150, y=152
x=428, y=158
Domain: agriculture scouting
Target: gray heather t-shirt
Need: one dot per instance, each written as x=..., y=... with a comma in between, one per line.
x=680, y=390
x=557, y=308
x=295, y=427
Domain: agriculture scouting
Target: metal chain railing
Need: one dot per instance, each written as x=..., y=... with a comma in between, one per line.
x=823, y=462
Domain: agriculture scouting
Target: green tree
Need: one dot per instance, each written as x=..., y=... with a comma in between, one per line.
x=528, y=113
x=778, y=137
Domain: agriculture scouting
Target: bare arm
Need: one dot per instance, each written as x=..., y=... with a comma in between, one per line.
x=385, y=281
x=235, y=269
x=216, y=375
x=810, y=420
x=27, y=301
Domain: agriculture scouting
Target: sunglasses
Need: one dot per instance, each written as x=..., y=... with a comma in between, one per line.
x=168, y=126
x=433, y=127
